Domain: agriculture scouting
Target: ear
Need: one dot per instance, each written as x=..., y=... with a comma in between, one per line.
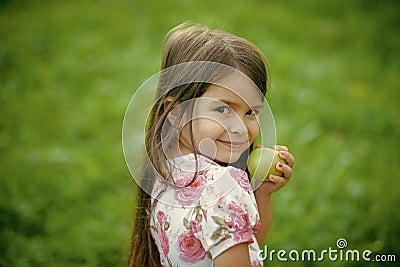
x=171, y=116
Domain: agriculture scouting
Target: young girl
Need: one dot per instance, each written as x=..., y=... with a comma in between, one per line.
x=195, y=203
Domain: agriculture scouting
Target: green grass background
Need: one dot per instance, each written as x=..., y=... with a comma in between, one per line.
x=69, y=68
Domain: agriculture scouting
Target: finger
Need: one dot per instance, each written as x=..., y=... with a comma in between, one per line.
x=280, y=148
x=278, y=181
x=285, y=169
x=288, y=157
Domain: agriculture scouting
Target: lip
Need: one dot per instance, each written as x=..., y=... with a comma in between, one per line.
x=232, y=144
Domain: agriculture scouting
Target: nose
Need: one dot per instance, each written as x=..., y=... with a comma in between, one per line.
x=236, y=126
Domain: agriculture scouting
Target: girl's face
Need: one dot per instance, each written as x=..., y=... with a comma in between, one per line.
x=224, y=122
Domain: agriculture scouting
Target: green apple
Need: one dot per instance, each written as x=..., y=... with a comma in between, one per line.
x=262, y=163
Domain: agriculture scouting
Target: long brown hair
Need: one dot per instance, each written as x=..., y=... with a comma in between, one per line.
x=185, y=43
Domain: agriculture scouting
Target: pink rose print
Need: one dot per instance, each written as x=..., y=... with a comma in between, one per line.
x=235, y=207
x=183, y=179
x=163, y=240
x=239, y=224
x=241, y=177
x=186, y=196
x=190, y=248
x=161, y=217
x=196, y=226
x=257, y=225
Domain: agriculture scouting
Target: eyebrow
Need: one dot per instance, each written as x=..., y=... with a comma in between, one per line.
x=231, y=103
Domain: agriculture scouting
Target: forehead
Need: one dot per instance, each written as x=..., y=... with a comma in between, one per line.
x=238, y=89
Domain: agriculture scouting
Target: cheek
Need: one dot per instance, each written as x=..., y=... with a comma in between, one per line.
x=206, y=128
x=253, y=131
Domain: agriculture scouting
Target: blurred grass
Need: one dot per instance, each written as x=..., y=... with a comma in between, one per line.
x=69, y=68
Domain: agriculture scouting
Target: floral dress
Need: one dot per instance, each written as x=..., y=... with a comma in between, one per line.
x=203, y=213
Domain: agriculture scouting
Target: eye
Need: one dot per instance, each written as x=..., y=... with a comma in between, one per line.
x=223, y=109
x=253, y=112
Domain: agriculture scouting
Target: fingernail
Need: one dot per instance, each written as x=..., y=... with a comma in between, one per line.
x=280, y=165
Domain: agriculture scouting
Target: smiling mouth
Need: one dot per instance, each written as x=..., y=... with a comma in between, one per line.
x=232, y=144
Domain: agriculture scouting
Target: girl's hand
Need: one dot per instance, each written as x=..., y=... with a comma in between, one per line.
x=277, y=182
x=263, y=193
